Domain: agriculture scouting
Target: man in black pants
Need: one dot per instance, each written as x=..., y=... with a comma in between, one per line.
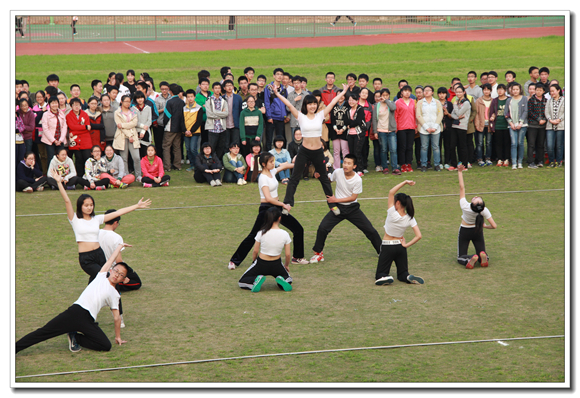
x=348, y=187
x=82, y=315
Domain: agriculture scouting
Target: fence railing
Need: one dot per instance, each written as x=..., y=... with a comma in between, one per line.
x=90, y=28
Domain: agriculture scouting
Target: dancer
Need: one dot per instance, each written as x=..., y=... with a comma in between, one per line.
x=268, y=185
x=82, y=315
x=267, y=258
x=86, y=224
x=339, y=16
x=471, y=229
x=400, y=216
x=348, y=187
x=312, y=150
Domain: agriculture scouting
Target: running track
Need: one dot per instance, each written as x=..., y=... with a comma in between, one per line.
x=136, y=47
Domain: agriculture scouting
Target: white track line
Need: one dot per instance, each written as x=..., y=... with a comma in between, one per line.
x=137, y=48
x=286, y=354
x=308, y=201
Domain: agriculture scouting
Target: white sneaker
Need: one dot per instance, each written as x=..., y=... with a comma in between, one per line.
x=385, y=280
x=139, y=178
x=365, y=171
x=218, y=182
x=514, y=167
x=378, y=168
x=231, y=265
x=187, y=161
x=240, y=181
x=212, y=183
x=520, y=166
x=244, y=182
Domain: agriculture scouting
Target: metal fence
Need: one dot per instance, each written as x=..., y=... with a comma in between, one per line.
x=92, y=28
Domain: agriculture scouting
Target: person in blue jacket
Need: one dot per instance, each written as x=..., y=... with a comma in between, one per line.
x=281, y=155
x=275, y=109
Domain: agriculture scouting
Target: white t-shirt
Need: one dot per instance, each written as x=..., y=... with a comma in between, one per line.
x=272, y=183
x=346, y=187
x=87, y=230
x=109, y=241
x=395, y=225
x=98, y=294
x=311, y=128
x=469, y=215
x=272, y=242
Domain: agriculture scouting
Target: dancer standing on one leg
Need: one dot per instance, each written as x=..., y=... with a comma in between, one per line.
x=400, y=216
x=348, y=187
x=267, y=255
x=312, y=150
x=471, y=229
x=268, y=185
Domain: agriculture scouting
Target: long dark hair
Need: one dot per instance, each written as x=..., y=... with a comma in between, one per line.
x=406, y=202
x=309, y=99
x=478, y=208
x=80, y=202
x=272, y=215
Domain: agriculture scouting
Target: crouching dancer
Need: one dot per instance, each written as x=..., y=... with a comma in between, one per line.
x=79, y=320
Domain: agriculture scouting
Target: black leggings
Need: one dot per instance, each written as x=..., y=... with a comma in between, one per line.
x=74, y=319
x=72, y=182
x=502, y=141
x=263, y=267
x=390, y=253
x=148, y=180
x=355, y=146
x=467, y=235
x=21, y=184
x=287, y=220
x=459, y=143
x=405, y=140
x=104, y=182
x=317, y=158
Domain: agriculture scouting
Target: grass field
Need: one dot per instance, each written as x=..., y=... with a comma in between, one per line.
x=190, y=307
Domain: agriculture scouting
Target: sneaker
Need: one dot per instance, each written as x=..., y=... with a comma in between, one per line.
x=258, y=283
x=140, y=177
x=73, y=346
x=101, y=188
x=540, y=165
x=365, y=171
x=332, y=23
x=71, y=187
x=385, y=280
x=244, y=182
x=212, y=183
x=397, y=172
x=520, y=166
x=553, y=164
x=187, y=161
x=182, y=162
x=423, y=169
x=122, y=322
x=190, y=169
x=165, y=184
x=560, y=164
x=240, y=181
x=123, y=185
x=378, y=168
x=532, y=166
x=488, y=162
x=300, y=261
x=484, y=260
x=282, y=282
x=499, y=163
x=468, y=165
x=87, y=189
x=41, y=188
x=416, y=280
x=506, y=163
x=335, y=210
x=437, y=168
x=404, y=168
x=429, y=165
x=409, y=168
x=145, y=185
x=446, y=166
x=472, y=262
x=231, y=265
x=317, y=258
x=514, y=167
x=354, y=24
x=459, y=164
x=451, y=168
x=480, y=163
x=386, y=171
x=360, y=174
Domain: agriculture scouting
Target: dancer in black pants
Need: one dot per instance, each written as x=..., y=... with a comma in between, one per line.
x=268, y=185
x=310, y=122
x=348, y=187
x=471, y=229
x=400, y=216
x=267, y=255
x=82, y=315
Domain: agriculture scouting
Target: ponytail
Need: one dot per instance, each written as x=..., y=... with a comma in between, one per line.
x=273, y=214
x=478, y=208
x=265, y=158
x=406, y=202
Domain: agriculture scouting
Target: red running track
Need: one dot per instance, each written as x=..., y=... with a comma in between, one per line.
x=136, y=47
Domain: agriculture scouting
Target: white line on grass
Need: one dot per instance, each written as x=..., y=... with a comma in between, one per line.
x=306, y=201
x=137, y=48
x=286, y=354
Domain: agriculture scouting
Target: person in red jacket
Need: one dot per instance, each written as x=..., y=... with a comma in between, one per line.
x=152, y=169
x=97, y=125
x=79, y=127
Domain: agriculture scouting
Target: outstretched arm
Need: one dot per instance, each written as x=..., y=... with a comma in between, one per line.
x=113, y=257
x=293, y=110
x=461, y=184
x=395, y=189
x=69, y=209
x=142, y=204
x=335, y=100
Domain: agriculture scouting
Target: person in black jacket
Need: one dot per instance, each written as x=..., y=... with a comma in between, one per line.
x=355, y=128
x=173, y=122
x=29, y=178
x=207, y=166
x=447, y=123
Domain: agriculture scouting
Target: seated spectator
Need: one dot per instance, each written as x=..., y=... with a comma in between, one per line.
x=281, y=155
x=253, y=161
x=152, y=168
x=116, y=169
x=95, y=166
x=234, y=165
x=65, y=167
x=28, y=178
x=207, y=166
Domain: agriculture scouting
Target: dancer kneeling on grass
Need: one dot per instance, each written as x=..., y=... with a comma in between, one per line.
x=152, y=169
x=312, y=150
x=268, y=185
x=82, y=315
x=471, y=229
x=267, y=259
x=400, y=216
x=348, y=187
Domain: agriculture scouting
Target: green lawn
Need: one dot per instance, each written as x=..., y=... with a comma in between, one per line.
x=190, y=307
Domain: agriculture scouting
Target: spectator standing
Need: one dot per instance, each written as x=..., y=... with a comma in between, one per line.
x=173, y=122
x=406, y=125
x=536, y=126
x=275, y=109
x=192, y=119
x=216, y=109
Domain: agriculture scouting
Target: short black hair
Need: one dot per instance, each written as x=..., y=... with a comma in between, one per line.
x=24, y=82
x=262, y=77
x=510, y=72
x=52, y=77
x=94, y=83
x=351, y=75
x=74, y=85
x=190, y=91
x=243, y=77
x=216, y=84
x=203, y=73
x=472, y=72
x=276, y=71
x=74, y=101
x=144, y=85
x=112, y=221
x=163, y=83
x=296, y=78
x=492, y=72
x=486, y=86
x=317, y=93
x=441, y=90
x=248, y=69
x=138, y=94
x=227, y=81
x=532, y=68
x=501, y=86
x=303, y=79
x=545, y=69
x=363, y=76
x=401, y=81
x=224, y=71
x=51, y=91
x=377, y=79
x=352, y=157
x=203, y=79
x=484, y=74
x=329, y=73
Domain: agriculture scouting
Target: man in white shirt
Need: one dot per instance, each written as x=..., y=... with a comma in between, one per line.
x=492, y=80
x=348, y=187
x=82, y=315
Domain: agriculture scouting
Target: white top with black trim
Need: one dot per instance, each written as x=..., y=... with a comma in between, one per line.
x=98, y=294
x=87, y=230
x=273, y=241
x=469, y=215
x=270, y=182
x=396, y=225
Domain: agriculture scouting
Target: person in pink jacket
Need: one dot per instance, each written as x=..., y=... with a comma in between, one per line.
x=54, y=128
x=152, y=169
x=406, y=125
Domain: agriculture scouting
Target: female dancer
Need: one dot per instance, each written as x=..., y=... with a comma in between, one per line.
x=268, y=185
x=471, y=229
x=400, y=216
x=86, y=224
x=311, y=126
x=267, y=259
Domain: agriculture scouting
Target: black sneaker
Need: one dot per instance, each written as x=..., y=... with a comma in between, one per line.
x=423, y=169
x=385, y=280
x=415, y=280
x=73, y=346
x=437, y=168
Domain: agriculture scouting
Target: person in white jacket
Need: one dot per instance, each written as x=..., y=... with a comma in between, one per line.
x=65, y=167
x=429, y=114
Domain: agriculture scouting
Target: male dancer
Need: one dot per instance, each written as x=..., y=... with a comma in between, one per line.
x=348, y=187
